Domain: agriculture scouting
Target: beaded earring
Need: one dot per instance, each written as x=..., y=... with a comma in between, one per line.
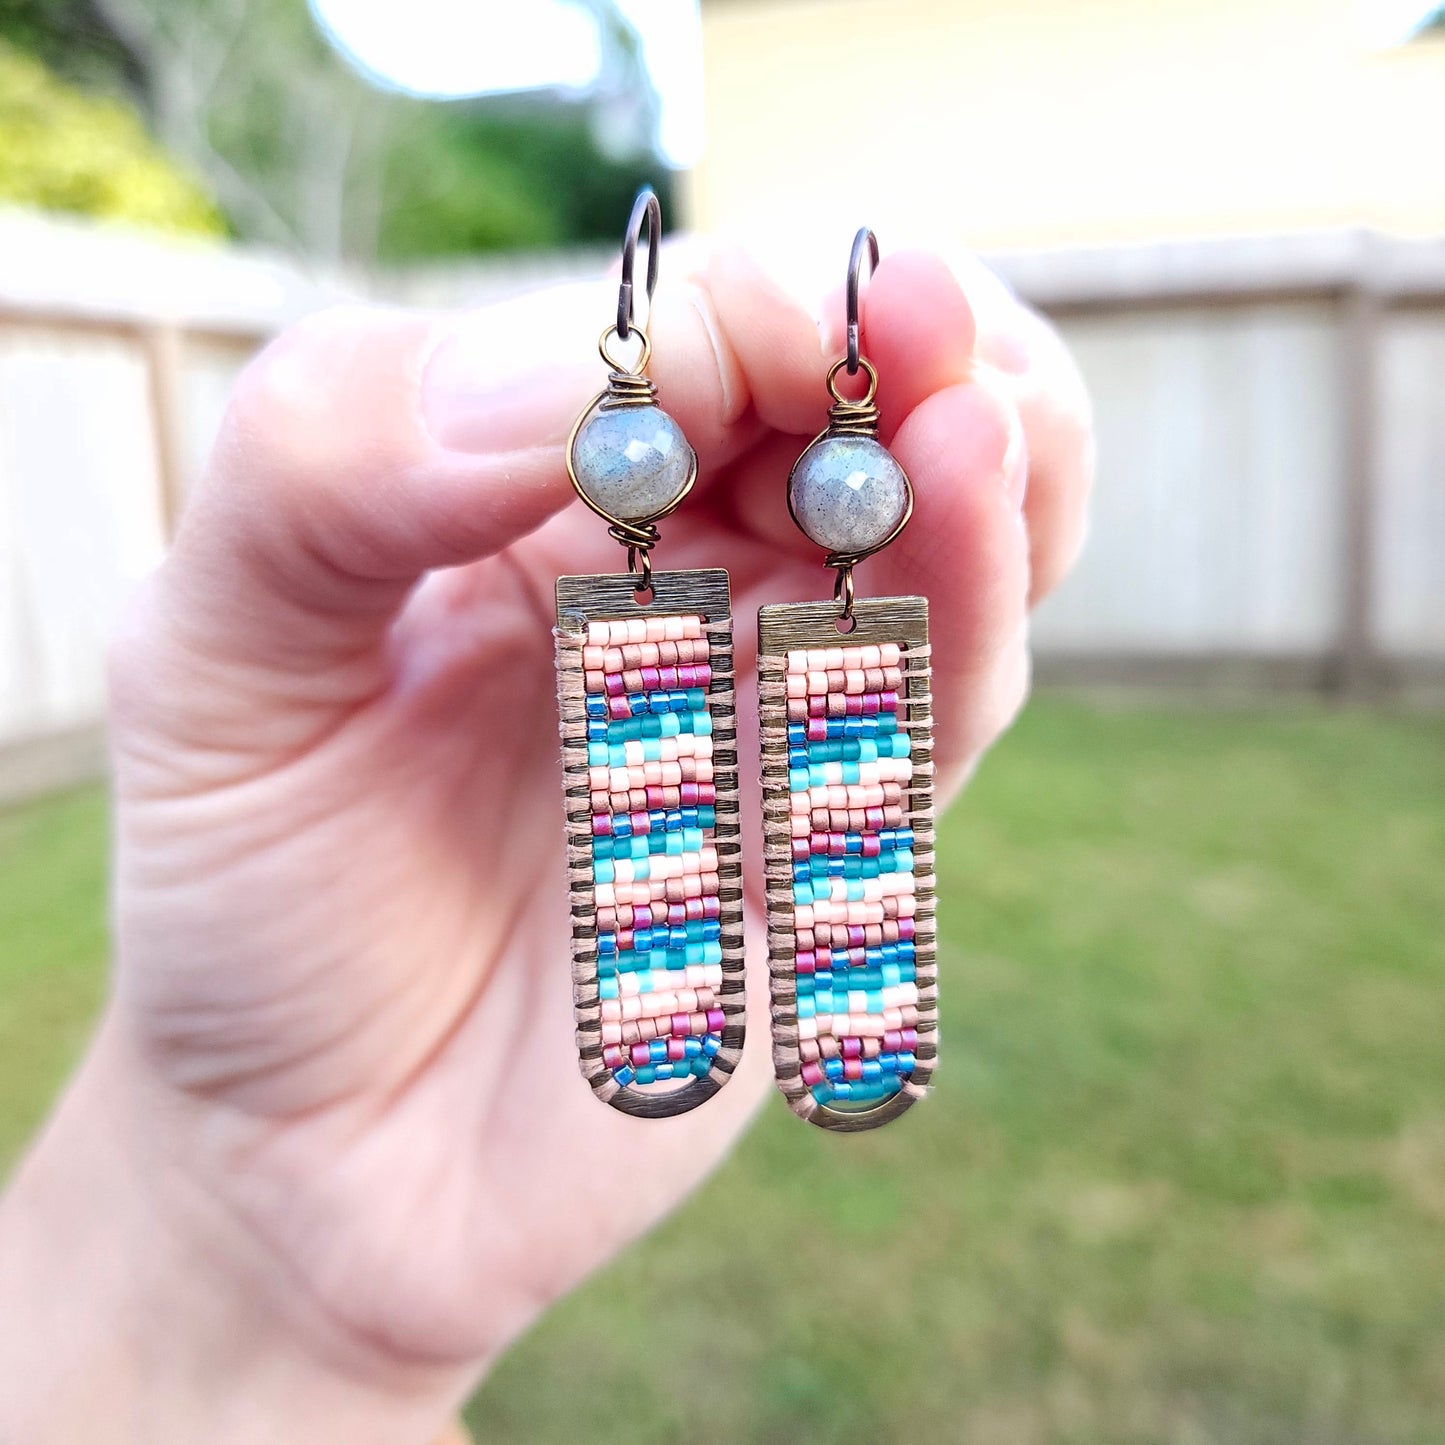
x=649, y=757
x=847, y=751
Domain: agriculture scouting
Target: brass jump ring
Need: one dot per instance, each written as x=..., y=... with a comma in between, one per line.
x=639, y=563
x=863, y=364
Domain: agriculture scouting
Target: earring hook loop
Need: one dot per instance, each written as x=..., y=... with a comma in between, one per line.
x=865, y=242
x=645, y=208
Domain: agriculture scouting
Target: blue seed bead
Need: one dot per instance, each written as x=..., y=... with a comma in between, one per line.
x=880, y=725
x=624, y=1075
x=852, y=867
x=857, y=1090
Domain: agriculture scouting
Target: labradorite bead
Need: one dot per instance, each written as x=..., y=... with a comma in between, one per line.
x=633, y=461
x=848, y=493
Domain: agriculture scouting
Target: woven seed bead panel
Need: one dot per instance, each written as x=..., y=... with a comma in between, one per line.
x=649, y=757
x=847, y=742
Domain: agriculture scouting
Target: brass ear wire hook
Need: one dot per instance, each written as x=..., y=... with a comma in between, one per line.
x=645, y=207
x=864, y=242
x=630, y=388
x=850, y=441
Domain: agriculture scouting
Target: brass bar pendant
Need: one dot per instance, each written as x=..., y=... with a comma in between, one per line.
x=649, y=758
x=848, y=820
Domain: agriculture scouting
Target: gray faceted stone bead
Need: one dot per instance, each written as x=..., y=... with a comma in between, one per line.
x=633, y=461
x=848, y=493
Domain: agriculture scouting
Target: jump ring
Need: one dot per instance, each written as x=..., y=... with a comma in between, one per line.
x=639, y=556
x=864, y=365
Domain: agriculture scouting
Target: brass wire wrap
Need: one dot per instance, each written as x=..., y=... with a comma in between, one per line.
x=847, y=417
x=853, y=417
x=627, y=386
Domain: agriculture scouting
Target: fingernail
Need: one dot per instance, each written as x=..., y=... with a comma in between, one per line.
x=1002, y=336
x=515, y=375
x=1013, y=470
x=789, y=272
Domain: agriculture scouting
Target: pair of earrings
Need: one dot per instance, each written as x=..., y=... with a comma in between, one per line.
x=649, y=742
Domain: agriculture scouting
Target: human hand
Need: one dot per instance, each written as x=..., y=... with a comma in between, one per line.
x=333, y=1122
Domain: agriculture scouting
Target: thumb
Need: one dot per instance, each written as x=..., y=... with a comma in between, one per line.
x=368, y=446
x=334, y=485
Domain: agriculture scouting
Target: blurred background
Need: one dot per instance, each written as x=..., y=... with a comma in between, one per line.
x=1183, y=1178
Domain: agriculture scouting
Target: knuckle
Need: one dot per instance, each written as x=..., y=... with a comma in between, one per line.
x=295, y=403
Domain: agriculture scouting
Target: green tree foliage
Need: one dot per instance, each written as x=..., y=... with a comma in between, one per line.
x=75, y=41
x=63, y=150
x=304, y=153
x=471, y=176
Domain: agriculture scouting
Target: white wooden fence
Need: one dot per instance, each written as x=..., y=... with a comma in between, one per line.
x=1271, y=415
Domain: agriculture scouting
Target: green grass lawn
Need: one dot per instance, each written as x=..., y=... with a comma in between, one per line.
x=1183, y=1176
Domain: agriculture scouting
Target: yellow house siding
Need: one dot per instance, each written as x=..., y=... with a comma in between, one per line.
x=1059, y=122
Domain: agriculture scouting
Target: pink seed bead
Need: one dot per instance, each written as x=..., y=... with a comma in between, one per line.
x=715, y=1020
